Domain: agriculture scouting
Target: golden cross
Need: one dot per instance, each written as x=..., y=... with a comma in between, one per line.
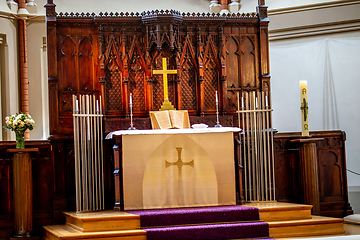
x=179, y=163
x=165, y=72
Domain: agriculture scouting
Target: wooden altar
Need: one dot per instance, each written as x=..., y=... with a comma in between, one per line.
x=175, y=168
x=114, y=54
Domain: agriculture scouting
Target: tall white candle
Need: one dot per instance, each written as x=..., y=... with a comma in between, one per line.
x=304, y=109
x=130, y=98
x=216, y=97
x=266, y=101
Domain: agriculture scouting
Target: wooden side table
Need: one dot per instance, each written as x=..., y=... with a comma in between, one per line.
x=23, y=193
x=309, y=172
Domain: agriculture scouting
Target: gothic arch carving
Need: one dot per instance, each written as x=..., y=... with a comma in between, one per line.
x=137, y=72
x=188, y=69
x=211, y=75
x=86, y=64
x=331, y=175
x=248, y=62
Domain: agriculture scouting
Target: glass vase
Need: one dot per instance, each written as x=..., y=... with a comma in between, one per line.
x=20, y=141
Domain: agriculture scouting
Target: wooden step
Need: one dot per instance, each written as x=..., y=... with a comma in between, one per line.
x=279, y=211
x=65, y=232
x=316, y=226
x=102, y=221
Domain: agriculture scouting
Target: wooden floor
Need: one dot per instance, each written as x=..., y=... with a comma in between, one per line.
x=285, y=220
x=352, y=229
x=352, y=232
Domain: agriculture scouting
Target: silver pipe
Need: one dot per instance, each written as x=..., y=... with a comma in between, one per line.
x=256, y=157
x=85, y=166
x=96, y=194
x=94, y=134
x=266, y=143
x=91, y=157
x=243, y=146
x=252, y=137
x=248, y=129
x=272, y=157
x=82, y=152
x=88, y=148
x=76, y=153
x=260, y=146
x=101, y=154
x=98, y=180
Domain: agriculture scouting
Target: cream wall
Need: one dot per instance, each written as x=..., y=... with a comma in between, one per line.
x=319, y=43
x=37, y=66
x=292, y=23
x=248, y=5
x=9, y=67
x=131, y=6
x=9, y=71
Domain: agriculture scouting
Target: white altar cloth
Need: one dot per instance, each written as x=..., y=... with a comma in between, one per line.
x=173, y=131
x=178, y=167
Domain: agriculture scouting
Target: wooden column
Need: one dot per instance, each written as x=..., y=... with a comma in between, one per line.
x=23, y=193
x=118, y=174
x=224, y=4
x=23, y=67
x=309, y=172
x=239, y=168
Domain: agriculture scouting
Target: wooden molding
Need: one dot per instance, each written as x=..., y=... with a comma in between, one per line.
x=312, y=7
x=314, y=30
x=314, y=20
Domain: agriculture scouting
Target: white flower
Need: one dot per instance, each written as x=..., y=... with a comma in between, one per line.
x=19, y=122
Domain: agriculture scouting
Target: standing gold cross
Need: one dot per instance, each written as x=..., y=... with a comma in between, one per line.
x=166, y=104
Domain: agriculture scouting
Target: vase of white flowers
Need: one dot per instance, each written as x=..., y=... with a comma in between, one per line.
x=19, y=123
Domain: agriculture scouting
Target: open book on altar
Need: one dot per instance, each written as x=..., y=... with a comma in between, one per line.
x=169, y=119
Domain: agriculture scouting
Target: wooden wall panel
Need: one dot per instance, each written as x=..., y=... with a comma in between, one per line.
x=5, y=184
x=114, y=55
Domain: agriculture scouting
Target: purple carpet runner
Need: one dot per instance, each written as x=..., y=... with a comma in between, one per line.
x=220, y=222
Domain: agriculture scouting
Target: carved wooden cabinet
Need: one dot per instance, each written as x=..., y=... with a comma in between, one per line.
x=331, y=171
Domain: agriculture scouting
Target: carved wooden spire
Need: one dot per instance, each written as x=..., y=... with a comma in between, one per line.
x=162, y=28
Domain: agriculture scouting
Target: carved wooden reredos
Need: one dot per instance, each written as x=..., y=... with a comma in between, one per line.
x=113, y=55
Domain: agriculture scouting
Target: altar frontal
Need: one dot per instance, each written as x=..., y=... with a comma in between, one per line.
x=178, y=168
